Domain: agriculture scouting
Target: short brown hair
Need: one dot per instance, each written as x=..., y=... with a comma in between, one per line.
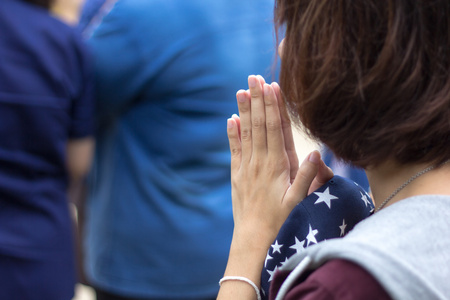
x=369, y=78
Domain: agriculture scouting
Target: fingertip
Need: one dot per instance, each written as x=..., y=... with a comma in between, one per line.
x=325, y=172
x=306, y=173
x=261, y=79
x=323, y=164
x=231, y=123
x=267, y=89
x=241, y=95
x=311, y=160
x=252, y=81
x=241, y=91
x=276, y=89
x=232, y=132
x=237, y=119
x=315, y=157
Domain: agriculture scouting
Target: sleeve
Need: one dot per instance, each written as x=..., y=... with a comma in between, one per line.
x=337, y=279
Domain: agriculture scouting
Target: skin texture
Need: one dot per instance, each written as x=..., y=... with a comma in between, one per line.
x=266, y=180
x=79, y=159
x=67, y=10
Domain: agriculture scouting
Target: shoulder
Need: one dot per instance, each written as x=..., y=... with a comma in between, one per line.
x=336, y=279
x=30, y=25
x=36, y=38
x=33, y=18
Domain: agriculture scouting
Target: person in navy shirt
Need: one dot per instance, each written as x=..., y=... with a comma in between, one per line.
x=46, y=120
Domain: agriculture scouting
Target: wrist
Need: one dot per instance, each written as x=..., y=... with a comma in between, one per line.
x=247, y=254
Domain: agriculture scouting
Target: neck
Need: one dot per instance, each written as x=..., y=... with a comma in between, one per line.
x=384, y=179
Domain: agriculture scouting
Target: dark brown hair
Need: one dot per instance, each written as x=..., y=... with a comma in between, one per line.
x=369, y=78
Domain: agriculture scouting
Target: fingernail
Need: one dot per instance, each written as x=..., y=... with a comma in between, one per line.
x=252, y=81
x=230, y=123
x=240, y=96
x=261, y=78
x=314, y=157
x=234, y=116
x=266, y=89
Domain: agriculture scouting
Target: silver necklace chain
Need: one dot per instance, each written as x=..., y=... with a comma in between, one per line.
x=418, y=174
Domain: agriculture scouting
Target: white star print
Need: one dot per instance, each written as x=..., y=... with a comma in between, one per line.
x=311, y=237
x=271, y=273
x=283, y=262
x=342, y=227
x=365, y=199
x=276, y=247
x=325, y=197
x=298, y=246
x=267, y=258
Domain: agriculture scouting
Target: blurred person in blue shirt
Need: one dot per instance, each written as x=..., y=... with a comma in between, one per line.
x=46, y=128
x=158, y=216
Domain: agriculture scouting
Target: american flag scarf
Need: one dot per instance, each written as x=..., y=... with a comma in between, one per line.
x=329, y=212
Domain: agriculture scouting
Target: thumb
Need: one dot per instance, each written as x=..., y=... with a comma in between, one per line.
x=306, y=174
x=324, y=174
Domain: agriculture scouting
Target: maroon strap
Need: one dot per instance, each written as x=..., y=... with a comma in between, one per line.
x=337, y=279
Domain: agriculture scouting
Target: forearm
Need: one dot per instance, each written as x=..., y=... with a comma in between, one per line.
x=267, y=184
x=246, y=259
x=79, y=158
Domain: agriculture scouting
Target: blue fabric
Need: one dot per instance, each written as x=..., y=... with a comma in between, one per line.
x=346, y=170
x=329, y=212
x=45, y=99
x=89, y=10
x=159, y=215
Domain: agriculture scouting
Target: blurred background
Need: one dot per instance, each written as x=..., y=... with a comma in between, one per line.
x=69, y=12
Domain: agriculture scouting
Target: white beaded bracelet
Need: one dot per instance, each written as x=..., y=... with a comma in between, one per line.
x=240, y=278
